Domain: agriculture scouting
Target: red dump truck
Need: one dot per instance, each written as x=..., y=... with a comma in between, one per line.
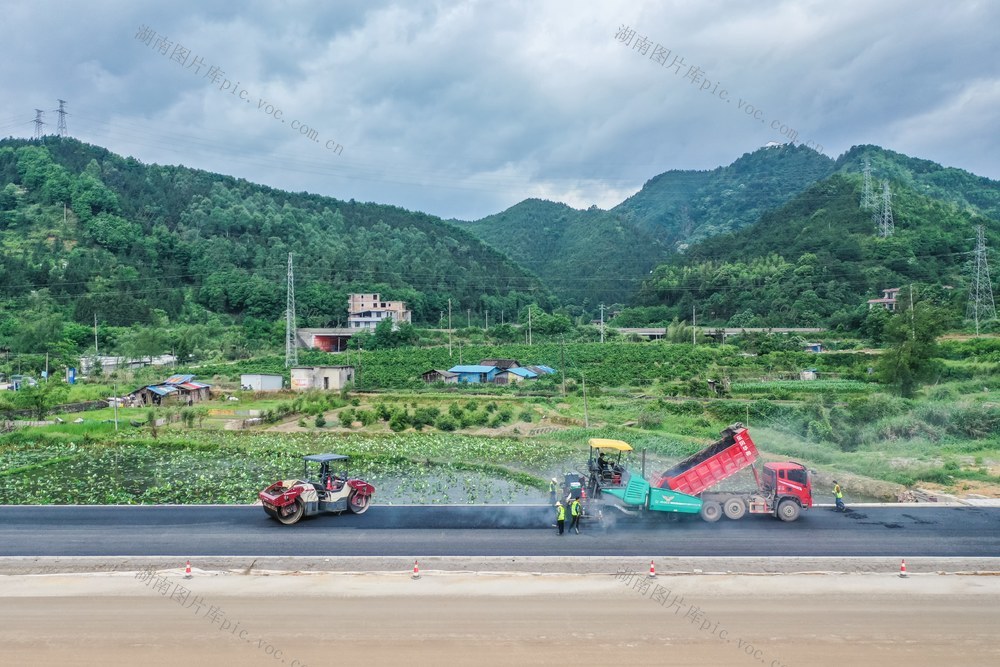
x=783, y=489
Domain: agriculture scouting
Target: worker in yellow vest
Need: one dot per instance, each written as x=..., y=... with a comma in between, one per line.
x=574, y=510
x=560, y=517
x=553, y=487
x=838, y=494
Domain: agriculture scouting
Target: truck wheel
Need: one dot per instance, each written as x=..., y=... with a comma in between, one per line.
x=735, y=508
x=293, y=515
x=358, y=504
x=788, y=510
x=711, y=511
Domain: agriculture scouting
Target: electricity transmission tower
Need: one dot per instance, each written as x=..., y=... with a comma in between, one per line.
x=981, y=304
x=38, y=123
x=62, y=118
x=291, y=346
x=867, y=196
x=883, y=219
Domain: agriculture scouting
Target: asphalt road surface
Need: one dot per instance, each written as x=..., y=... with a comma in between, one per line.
x=483, y=530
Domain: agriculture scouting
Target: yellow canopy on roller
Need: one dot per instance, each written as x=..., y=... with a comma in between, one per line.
x=605, y=443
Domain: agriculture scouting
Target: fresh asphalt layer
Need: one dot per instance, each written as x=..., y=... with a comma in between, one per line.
x=490, y=531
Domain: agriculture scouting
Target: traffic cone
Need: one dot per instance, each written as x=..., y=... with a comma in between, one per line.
x=652, y=570
x=187, y=570
x=902, y=569
x=416, y=570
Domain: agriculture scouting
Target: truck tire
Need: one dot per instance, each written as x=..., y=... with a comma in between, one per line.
x=788, y=510
x=734, y=508
x=711, y=511
x=293, y=516
x=358, y=504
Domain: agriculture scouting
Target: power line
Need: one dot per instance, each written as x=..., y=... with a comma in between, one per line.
x=291, y=344
x=883, y=219
x=981, y=305
x=61, y=131
x=867, y=196
x=38, y=123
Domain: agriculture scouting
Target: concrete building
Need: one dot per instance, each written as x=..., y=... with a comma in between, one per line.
x=261, y=382
x=888, y=300
x=328, y=340
x=331, y=378
x=365, y=311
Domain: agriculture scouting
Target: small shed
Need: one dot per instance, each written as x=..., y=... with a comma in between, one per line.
x=176, y=389
x=475, y=373
x=261, y=382
x=813, y=347
x=436, y=375
x=512, y=375
x=807, y=374
x=334, y=378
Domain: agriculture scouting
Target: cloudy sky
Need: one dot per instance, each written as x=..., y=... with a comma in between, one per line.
x=464, y=108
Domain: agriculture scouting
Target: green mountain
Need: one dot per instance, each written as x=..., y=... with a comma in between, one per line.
x=586, y=257
x=593, y=256
x=816, y=260
x=85, y=232
x=681, y=207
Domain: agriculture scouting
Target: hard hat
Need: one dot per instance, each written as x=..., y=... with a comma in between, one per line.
x=554, y=479
x=558, y=504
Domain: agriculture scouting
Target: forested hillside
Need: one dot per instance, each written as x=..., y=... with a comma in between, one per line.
x=593, y=256
x=585, y=257
x=681, y=207
x=84, y=232
x=818, y=259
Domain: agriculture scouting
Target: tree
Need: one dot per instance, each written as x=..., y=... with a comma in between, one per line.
x=912, y=336
x=41, y=398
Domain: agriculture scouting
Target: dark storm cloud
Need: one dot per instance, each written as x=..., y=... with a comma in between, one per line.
x=462, y=109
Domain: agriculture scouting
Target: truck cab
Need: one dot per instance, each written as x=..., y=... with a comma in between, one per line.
x=787, y=480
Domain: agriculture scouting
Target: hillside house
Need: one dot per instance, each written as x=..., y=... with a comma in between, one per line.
x=327, y=378
x=365, y=311
x=888, y=300
x=435, y=375
x=475, y=373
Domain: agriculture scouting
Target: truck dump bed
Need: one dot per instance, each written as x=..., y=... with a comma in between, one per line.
x=717, y=462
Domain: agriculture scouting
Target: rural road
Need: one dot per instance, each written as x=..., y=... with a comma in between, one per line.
x=910, y=531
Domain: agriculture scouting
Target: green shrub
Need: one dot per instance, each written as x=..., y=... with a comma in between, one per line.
x=446, y=423
x=526, y=416
x=321, y=420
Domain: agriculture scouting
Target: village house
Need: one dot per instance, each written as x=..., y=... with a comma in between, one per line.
x=365, y=311
x=328, y=378
x=512, y=375
x=474, y=373
x=435, y=375
x=261, y=382
x=888, y=300
x=176, y=389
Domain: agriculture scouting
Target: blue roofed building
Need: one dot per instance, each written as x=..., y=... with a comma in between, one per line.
x=474, y=373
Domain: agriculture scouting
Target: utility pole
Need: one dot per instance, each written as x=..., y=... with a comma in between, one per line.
x=586, y=413
x=38, y=123
x=602, y=322
x=562, y=362
x=913, y=326
x=487, y=327
x=449, y=328
x=95, y=336
x=981, y=305
x=529, y=324
x=694, y=340
x=468, y=318
x=291, y=344
x=62, y=118
x=867, y=196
